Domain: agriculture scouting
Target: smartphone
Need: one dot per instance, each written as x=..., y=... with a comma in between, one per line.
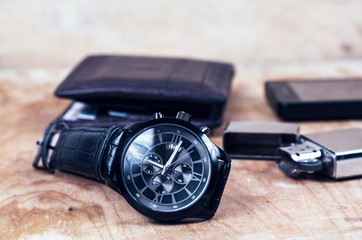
x=310, y=99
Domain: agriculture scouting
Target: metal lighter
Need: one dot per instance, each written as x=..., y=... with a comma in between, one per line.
x=337, y=154
x=258, y=140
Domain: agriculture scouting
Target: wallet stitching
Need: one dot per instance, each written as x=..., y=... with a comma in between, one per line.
x=228, y=74
x=224, y=77
x=176, y=68
x=205, y=69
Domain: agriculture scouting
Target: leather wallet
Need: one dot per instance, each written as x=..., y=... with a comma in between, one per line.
x=116, y=89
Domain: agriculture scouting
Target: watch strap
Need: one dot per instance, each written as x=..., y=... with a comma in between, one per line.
x=86, y=151
x=45, y=147
x=224, y=169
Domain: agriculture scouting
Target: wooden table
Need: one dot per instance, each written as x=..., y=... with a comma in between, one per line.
x=259, y=201
x=280, y=39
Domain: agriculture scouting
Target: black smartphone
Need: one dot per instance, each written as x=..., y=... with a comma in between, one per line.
x=309, y=99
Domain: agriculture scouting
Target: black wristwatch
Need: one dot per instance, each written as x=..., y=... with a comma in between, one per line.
x=166, y=168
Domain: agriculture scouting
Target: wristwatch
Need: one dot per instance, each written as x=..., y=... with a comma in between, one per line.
x=166, y=168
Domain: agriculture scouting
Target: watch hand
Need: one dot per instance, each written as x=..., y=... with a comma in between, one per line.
x=177, y=160
x=155, y=163
x=173, y=155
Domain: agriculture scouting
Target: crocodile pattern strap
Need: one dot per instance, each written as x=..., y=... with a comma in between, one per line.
x=84, y=151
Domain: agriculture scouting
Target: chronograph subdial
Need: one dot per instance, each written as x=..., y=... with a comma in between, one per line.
x=162, y=183
x=182, y=173
x=152, y=163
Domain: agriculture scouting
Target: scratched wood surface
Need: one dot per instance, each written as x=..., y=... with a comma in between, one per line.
x=39, y=45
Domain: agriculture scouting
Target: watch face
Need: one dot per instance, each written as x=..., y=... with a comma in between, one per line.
x=166, y=167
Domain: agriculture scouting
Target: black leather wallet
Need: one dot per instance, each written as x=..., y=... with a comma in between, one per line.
x=114, y=89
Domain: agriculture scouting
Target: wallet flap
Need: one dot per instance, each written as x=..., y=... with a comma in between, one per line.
x=112, y=77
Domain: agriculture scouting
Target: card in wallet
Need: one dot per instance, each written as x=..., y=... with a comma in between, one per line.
x=116, y=89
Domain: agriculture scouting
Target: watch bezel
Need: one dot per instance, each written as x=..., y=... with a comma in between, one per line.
x=188, y=212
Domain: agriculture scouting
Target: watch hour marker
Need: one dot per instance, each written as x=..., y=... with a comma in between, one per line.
x=143, y=189
x=197, y=161
x=188, y=191
x=176, y=138
x=196, y=177
x=158, y=198
x=190, y=147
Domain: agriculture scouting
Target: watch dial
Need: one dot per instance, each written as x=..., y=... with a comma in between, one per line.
x=166, y=167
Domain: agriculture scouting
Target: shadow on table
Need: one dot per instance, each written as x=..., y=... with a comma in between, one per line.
x=319, y=177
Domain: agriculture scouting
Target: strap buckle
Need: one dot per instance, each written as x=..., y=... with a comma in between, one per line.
x=44, y=146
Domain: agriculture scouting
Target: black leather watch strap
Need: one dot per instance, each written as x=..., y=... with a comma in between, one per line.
x=224, y=170
x=86, y=151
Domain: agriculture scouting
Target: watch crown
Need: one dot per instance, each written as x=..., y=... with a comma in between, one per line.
x=205, y=130
x=183, y=116
x=158, y=115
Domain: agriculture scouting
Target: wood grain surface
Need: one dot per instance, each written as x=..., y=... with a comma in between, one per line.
x=39, y=45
